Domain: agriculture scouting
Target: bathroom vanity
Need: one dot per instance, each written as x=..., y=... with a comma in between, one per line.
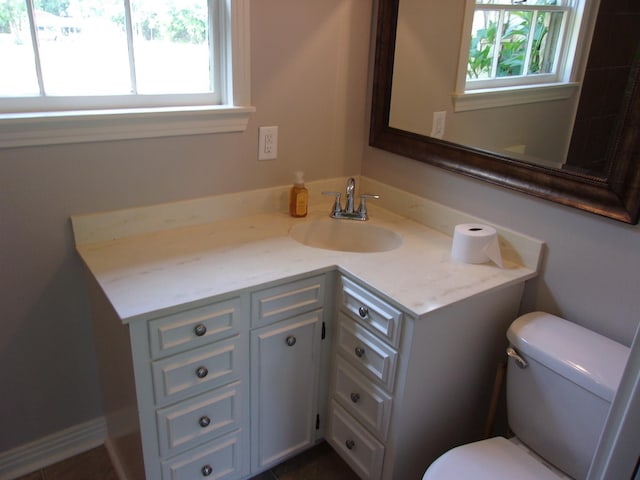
x=226, y=346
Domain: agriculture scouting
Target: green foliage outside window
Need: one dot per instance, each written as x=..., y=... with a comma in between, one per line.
x=154, y=20
x=513, y=46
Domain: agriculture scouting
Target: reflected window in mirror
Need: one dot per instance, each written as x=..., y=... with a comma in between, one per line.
x=416, y=61
x=518, y=51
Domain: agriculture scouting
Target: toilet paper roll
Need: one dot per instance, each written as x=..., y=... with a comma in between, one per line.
x=476, y=243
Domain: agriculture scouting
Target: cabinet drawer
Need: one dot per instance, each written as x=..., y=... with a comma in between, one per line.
x=366, y=352
x=193, y=328
x=220, y=459
x=288, y=300
x=196, y=371
x=356, y=446
x=367, y=402
x=201, y=418
x=381, y=318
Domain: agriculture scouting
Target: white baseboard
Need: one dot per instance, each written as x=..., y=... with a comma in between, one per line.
x=52, y=448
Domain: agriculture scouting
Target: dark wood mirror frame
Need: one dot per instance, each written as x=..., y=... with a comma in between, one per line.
x=616, y=195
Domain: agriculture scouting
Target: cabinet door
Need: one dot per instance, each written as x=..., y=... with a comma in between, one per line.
x=285, y=366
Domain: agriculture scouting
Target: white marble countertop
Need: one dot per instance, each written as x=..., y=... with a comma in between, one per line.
x=153, y=272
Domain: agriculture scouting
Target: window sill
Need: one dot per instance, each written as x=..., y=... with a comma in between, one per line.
x=504, y=97
x=50, y=128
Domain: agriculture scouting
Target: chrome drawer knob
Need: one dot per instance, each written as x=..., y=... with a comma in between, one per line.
x=355, y=397
x=291, y=340
x=204, y=421
x=363, y=312
x=350, y=444
x=359, y=352
x=200, y=330
x=201, y=372
x=207, y=470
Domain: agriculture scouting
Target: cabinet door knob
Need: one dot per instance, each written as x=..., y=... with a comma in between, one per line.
x=355, y=397
x=291, y=340
x=206, y=470
x=363, y=312
x=359, y=351
x=350, y=444
x=200, y=330
x=204, y=421
x=201, y=372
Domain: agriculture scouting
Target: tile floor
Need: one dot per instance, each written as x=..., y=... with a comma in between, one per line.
x=318, y=463
x=91, y=465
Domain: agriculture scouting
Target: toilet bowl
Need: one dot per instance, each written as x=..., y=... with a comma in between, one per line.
x=493, y=459
x=561, y=380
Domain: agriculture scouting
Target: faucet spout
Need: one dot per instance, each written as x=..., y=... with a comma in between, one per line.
x=351, y=187
x=349, y=211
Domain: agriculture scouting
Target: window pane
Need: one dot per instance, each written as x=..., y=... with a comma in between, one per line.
x=83, y=47
x=513, y=45
x=545, y=42
x=171, y=46
x=17, y=62
x=481, y=50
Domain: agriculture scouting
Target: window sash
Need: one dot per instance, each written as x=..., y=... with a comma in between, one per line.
x=79, y=126
x=217, y=34
x=526, y=78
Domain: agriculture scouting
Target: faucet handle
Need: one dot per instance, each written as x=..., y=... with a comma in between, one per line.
x=337, y=207
x=362, y=211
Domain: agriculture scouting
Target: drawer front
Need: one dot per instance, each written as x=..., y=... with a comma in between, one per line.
x=283, y=301
x=356, y=446
x=381, y=318
x=196, y=371
x=204, y=417
x=366, y=352
x=367, y=402
x=218, y=460
x=193, y=328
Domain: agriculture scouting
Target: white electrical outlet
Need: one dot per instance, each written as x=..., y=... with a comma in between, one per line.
x=268, y=143
x=439, y=120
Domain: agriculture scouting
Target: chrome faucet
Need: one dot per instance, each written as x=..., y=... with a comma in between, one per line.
x=351, y=187
x=349, y=212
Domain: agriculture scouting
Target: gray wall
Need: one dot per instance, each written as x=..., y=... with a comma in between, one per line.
x=309, y=73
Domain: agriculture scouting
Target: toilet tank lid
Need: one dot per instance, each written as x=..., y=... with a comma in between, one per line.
x=584, y=357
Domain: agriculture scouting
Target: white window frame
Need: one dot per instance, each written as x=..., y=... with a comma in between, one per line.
x=564, y=84
x=75, y=126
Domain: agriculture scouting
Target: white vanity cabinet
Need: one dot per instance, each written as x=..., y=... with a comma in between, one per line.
x=226, y=346
x=286, y=356
x=406, y=389
x=221, y=390
x=364, y=372
x=192, y=392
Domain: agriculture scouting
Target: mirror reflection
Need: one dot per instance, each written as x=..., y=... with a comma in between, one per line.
x=462, y=67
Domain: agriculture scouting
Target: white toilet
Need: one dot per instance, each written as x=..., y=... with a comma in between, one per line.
x=561, y=380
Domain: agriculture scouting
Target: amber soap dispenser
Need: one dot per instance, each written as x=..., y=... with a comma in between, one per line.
x=299, y=197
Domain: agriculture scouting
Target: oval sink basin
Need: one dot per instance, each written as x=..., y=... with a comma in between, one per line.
x=345, y=236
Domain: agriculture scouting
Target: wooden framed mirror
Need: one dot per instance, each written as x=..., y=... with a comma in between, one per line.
x=613, y=193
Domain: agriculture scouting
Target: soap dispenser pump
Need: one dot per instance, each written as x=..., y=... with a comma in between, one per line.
x=299, y=197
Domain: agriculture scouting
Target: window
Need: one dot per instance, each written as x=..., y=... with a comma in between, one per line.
x=140, y=68
x=519, y=49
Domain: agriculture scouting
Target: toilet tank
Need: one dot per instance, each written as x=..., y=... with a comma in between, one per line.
x=558, y=403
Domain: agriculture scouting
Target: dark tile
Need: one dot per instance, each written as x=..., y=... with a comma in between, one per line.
x=94, y=464
x=264, y=476
x=32, y=476
x=318, y=463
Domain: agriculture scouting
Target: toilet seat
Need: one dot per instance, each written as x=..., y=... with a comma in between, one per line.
x=493, y=459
